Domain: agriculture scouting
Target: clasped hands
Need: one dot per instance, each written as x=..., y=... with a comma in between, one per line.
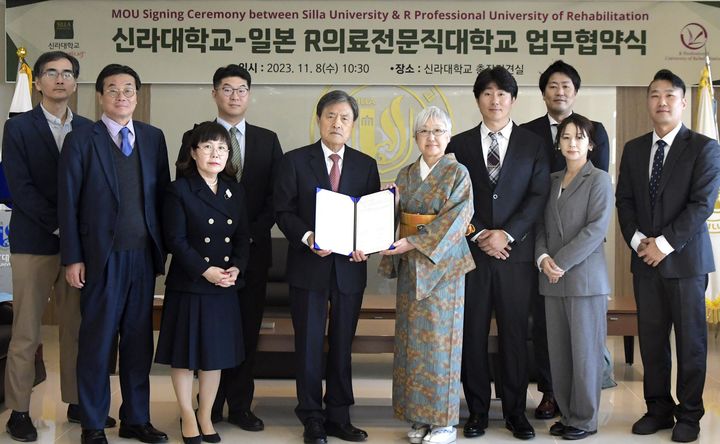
x=649, y=252
x=220, y=277
x=357, y=255
x=551, y=270
x=494, y=243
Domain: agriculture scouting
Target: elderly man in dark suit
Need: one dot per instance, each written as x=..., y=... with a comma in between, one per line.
x=31, y=149
x=256, y=155
x=509, y=172
x=666, y=190
x=559, y=85
x=317, y=277
x=112, y=177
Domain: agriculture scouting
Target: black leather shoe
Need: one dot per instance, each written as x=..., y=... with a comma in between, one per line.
x=548, y=408
x=685, y=431
x=20, y=427
x=649, y=424
x=475, y=425
x=142, y=432
x=574, y=433
x=520, y=427
x=346, y=432
x=93, y=437
x=314, y=431
x=246, y=420
x=557, y=429
x=73, y=415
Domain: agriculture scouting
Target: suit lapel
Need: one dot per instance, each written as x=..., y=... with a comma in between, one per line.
x=348, y=174
x=676, y=151
x=319, y=167
x=205, y=194
x=250, y=148
x=103, y=144
x=43, y=128
x=577, y=181
x=509, y=159
x=555, y=185
x=644, y=165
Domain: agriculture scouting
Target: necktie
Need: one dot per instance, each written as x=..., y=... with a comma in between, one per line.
x=493, y=159
x=125, y=146
x=237, y=158
x=657, y=167
x=335, y=172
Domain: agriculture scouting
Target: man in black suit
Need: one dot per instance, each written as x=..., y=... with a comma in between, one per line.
x=31, y=149
x=317, y=277
x=559, y=85
x=111, y=180
x=510, y=177
x=256, y=155
x=667, y=188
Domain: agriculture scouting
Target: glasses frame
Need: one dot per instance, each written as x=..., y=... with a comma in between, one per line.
x=54, y=74
x=242, y=91
x=437, y=132
x=126, y=92
x=209, y=149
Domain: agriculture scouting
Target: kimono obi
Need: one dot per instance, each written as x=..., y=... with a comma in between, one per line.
x=413, y=223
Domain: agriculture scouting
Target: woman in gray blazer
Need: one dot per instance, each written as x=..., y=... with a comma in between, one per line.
x=574, y=278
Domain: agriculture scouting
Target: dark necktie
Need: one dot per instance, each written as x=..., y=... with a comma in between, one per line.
x=493, y=159
x=237, y=159
x=335, y=172
x=657, y=167
x=125, y=146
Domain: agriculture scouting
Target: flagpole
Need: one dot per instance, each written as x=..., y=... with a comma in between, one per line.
x=712, y=91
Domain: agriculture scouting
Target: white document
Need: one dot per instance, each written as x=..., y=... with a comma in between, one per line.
x=344, y=224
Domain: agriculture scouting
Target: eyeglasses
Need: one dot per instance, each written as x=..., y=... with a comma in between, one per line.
x=115, y=93
x=209, y=149
x=228, y=91
x=54, y=73
x=437, y=132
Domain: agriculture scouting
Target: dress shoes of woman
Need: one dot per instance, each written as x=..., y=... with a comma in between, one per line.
x=417, y=433
x=440, y=435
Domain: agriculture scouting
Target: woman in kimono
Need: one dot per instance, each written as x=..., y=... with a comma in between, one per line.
x=434, y=201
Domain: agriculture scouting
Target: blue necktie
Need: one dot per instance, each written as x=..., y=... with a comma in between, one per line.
x=657, y=167
x=125, y=146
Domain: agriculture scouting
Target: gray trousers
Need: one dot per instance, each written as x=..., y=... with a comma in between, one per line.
x=577, y=329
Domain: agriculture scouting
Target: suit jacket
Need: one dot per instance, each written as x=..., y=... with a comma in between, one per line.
x=262, y=159
x=685, y=199
x=301, y=171
x=202, y=230
x=517, y=201
x=88, y=194
x=30, y=160
x=600, y=154
x=573, y=230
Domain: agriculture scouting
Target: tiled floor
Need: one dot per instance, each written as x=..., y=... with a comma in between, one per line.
x=275, y=402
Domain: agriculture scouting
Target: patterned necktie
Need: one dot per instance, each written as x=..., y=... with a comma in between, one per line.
x=125, y=146
x=493, y=159
x=335, y=172
x=237, y=157
x=657, y=167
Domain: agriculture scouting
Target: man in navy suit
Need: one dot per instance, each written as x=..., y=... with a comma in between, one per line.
x=667, y=188
x=509, y=173
x=112, y=178
x=317, y=277
x=31, y=149
x=256, y=155
x=559, y=85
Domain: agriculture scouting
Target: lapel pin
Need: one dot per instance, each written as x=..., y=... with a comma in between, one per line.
x=228, y=194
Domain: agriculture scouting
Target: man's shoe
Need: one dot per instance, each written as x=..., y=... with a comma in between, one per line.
x=93, y=437
x=314, y=431
x=73, y=415
x=440, y=435
x=246, y=420
x=346, y=432
x=573, y=433
x=649, y=424
x=685, y=431
x=475, y=425
x=142, y=432
x=520, y=427
x=557, y=429
x=20, y=427
x=548, y=408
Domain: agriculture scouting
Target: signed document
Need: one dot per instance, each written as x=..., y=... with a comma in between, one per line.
x=344, y=223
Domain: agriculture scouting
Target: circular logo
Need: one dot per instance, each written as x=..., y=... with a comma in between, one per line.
x=693, y=36
x=384, y=128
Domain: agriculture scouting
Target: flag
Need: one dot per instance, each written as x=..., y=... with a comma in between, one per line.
x=706, y=123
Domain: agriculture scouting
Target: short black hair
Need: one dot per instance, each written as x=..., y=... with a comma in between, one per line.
x=337, y=96
x=204, y=132
x=582, y=123
x=562, y=68
x=498, y=75
x=52, y=56
x=666, y=74
x=232, y=70
x=114, y=69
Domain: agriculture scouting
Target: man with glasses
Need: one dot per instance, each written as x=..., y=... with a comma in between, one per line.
x=31, y=149
x=256, y=155
x=112, y=177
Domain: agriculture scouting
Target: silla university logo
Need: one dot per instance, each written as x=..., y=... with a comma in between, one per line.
x=694, y=36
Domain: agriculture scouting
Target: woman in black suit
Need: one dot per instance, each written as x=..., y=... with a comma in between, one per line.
x=206, y=230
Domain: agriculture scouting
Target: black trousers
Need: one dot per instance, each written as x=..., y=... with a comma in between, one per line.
x=662, y=304
x=505, y=288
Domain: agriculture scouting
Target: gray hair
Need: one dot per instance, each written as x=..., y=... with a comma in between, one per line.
x=432, y=113
x=337, y=96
